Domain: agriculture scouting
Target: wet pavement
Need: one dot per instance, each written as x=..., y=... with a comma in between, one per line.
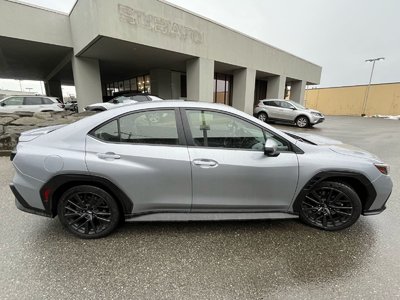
x=211, y=260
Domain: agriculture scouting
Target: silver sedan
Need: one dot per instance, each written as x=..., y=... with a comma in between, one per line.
x=183, y=161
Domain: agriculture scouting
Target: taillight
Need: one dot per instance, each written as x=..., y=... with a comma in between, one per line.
x=383, y=168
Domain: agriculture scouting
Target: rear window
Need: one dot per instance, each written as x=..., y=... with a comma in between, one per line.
x=270, y=103
x=47, y=101
x=148, y=127
x=139, y=98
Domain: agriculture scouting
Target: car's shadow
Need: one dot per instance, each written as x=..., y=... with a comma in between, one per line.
x=256, y=250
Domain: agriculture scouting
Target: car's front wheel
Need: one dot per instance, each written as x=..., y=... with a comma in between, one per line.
x=88, y=212
x=330, y=206
x=302, y=122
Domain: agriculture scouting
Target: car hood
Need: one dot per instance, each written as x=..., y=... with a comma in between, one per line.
x=334, y=145
x=313, y=110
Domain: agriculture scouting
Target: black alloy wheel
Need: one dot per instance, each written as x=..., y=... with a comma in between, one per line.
x=302, y=122
x=330, y=206
x=88, y=212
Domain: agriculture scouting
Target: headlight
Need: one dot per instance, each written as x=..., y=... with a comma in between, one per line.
x=383, y=168
x=315, y=114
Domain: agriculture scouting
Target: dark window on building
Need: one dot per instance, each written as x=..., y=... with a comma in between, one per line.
x=260, y=91
x=183, y=86
x=223, y=84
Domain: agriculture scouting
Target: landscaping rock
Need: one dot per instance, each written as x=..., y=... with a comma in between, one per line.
x=24, y=113
x=27, y=121
x=12, y=125
x=14, y=116
x=6, y=120
x=17, y=129
x=43, y=115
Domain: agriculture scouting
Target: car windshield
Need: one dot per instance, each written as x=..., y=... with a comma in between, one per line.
x=297, y=105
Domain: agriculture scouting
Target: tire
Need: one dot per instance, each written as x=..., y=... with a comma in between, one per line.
x=88, y=212
x=302, y=122
x=330, y=206
x=262, y=116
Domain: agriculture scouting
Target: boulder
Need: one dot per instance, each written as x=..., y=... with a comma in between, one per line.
x=43, y=115
x=17, y=129
x=24, y=113
x=30, y=121
x=4, y=115
x=6, y=120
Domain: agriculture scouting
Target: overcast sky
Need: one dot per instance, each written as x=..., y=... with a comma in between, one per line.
x=335, y=34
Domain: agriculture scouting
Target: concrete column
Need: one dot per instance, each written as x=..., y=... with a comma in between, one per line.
x=200, y=79
x=161, y=83
x=87, y=81
x=244, y=83
x=176, y=85
x=297, y=91
x=53, y=88
x=276, y=87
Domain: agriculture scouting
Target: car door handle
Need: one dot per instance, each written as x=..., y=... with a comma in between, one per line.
x=205, y=163
x=108, y=156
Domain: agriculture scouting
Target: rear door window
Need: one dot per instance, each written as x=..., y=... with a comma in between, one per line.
x=33, y=101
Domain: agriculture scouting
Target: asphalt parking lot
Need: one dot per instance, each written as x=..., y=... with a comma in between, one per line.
x=211, y=260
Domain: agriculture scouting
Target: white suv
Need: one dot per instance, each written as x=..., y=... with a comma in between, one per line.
x=30, y=104
x=287, y=111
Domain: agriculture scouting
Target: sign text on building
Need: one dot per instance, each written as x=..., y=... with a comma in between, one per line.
x=157, y=24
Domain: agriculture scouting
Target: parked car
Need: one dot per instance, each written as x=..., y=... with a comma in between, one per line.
x=71, y=105
x=200, y=161
x=287, y=111
x=30, y=104
x=122, y=101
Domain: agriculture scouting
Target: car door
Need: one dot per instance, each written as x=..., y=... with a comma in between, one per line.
x=286, y=111
x=272, y=109
x=11, y=104
x=229, y=169
x=33, y=104
x=146, y=158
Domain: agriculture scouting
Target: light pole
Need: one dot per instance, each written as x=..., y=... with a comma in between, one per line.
x=373, y=60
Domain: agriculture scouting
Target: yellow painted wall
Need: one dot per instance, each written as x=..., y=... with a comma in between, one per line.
x=383, y=99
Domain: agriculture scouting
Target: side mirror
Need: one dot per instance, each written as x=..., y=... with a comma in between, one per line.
x=293, y=108
x=271, y=148
x=2, y=104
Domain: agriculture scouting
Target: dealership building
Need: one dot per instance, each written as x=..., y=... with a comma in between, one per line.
x=109, y=47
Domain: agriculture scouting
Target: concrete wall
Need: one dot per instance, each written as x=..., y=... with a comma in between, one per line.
x=29, y=23
x=383, y=99
x=149, y=23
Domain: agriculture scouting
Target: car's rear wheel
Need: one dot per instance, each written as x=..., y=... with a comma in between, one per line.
x=330, y=206
x=302, y=122
x=262, y=116
x=88, y=212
